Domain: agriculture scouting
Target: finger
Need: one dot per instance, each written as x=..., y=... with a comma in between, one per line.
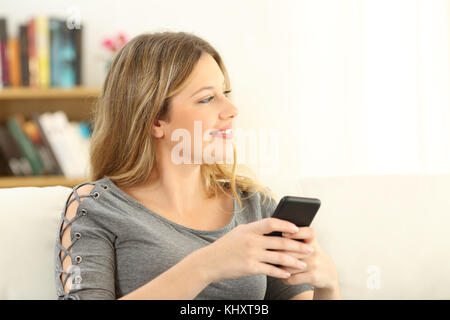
x=299, y=278
x=269, y=225
x=272, y=271
x=282, y=259
x=281, y=243
x=304, y=233
x=292, y=271
x=301, y=256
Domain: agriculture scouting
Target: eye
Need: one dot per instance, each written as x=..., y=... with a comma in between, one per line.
x=226, y=93
x=207, y=100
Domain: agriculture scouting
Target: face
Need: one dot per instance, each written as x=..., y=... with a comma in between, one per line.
x=197, y=113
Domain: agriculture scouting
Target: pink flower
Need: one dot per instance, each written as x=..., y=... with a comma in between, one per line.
x=108, y=44
x=115, y=43
x=122, y=39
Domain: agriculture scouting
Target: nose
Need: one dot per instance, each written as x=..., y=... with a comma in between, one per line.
x=229, y=111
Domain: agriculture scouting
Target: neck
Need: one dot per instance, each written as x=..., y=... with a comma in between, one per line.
x=177, y=188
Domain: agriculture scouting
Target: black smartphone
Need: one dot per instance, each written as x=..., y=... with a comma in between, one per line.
x=298, y=210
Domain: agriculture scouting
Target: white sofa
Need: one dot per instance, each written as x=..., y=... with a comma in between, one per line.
x=388, y=235
x=28, y=227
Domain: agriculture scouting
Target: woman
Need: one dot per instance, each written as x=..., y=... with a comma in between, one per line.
x=150, y=227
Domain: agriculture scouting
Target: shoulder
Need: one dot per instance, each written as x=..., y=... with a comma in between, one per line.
x=262, y=203
x=76, y=196
x=90, y=197
x=86, y=189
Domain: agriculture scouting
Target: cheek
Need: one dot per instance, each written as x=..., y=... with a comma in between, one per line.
x=199, y=124
x=188, y=116
x=195, y=126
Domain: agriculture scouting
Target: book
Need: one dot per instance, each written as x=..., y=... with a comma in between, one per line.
x=56, y=40
x=23, y=45
x=14, y=62
x=32, y=58
x=3, y=52
x=31, y=129
x=63, y=142
x=42, y=51
x=65, y=54
x=68, y=56
x=18, y=164
x=78, y=49
x=55, y=166
x=14, y=124
x=5, y=170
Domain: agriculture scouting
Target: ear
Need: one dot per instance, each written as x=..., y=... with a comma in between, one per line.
x=158, y=129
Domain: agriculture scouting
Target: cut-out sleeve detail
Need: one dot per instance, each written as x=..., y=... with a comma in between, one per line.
x=84, y=251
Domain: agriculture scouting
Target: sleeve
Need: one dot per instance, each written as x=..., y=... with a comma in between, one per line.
x=84, y=251
x=276, y=288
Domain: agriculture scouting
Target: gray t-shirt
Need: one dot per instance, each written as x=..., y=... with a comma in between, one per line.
x=118, y=245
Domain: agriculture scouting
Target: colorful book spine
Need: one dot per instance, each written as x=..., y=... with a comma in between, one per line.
x=46, y=53
x=55, y=166
x=55, y=129
x=56, y=41
x=3, y=52
x=25, y=145
x=68, y=57
x=18, y=164
x=32, y=58
x=78, y=49
x=14, y=62
x=32, y=131
x=5, y=170
x=42, y=51
x=23, y=40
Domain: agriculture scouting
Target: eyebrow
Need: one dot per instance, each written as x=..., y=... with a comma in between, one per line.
x=204, y=88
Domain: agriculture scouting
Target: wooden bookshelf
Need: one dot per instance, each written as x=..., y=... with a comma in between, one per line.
x=76, y=102
x=14, y=182
x=50, y=93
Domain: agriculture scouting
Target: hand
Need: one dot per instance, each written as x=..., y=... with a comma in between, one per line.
x=320, y=271
x=246, y=251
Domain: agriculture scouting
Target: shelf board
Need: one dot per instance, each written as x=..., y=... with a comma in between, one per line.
x=48, y=93
x=39, y=181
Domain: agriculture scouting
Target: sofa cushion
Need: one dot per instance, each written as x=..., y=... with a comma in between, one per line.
x=28, y=228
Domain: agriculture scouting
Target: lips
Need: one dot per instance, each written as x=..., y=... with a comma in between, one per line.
x=225, y=132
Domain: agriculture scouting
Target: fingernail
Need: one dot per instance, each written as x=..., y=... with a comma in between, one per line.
x=287, y=274
x=310, y=249
x=285, y=234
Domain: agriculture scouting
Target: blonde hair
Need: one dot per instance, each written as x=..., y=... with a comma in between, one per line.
x=144, y=75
